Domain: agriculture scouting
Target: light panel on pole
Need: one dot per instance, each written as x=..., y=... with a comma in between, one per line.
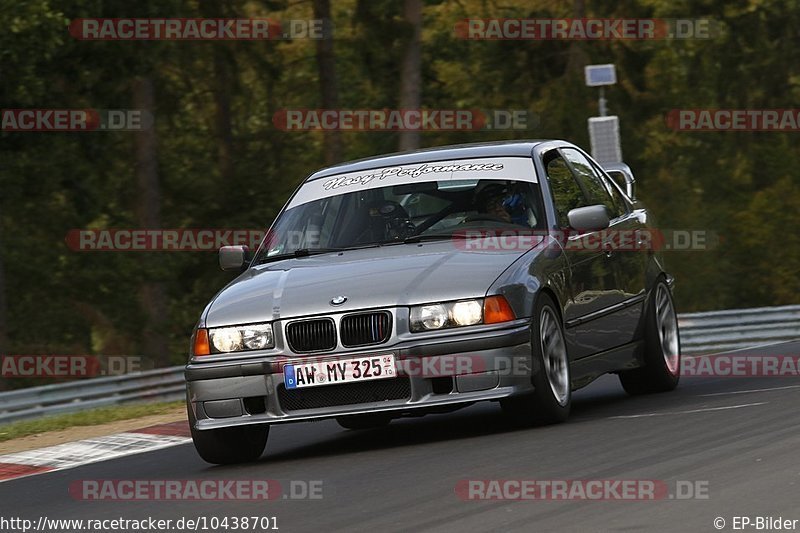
x=599, y=75
x=604, y=136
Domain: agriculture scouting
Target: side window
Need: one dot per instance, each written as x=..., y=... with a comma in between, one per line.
x=566, y=193
x=594, y=184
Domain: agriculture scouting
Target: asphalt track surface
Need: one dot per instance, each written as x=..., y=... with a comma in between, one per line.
x=737, y=437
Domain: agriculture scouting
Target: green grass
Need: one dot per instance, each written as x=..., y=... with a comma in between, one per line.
x=91, y=417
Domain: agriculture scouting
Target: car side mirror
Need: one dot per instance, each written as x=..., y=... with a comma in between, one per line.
x=234, y=258
x=623, y=176
x=589, y=218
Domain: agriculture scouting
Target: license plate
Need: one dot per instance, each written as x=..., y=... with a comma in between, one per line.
x=298, y=376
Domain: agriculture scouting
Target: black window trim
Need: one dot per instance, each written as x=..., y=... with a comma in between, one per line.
x=627, y=201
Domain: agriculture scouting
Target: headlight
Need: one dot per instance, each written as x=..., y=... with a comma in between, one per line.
x=432, y=316
x=241, y=338
x=226, y=339
x=257, y=337
x=466, y=313
x=490, y=310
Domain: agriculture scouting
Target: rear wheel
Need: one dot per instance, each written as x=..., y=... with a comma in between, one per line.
x=552, y=397
x=225, y=446
x=363, y=421
x=662, y=357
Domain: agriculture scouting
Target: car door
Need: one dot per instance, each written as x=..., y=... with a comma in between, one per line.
x=626, y=281
x=633, y=251
x=589, y=327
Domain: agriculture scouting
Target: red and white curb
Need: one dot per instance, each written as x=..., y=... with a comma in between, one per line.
x=93, y=450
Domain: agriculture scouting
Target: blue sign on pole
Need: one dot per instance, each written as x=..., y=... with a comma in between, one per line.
x=597, y=75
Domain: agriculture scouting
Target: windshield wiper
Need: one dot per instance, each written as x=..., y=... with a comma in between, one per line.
x=305, y=252
x=434, y=237
x=300, y=252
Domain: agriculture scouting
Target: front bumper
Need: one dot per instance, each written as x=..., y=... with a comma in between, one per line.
x=460, y=369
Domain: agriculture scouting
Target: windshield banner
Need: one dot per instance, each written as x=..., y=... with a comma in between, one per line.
x=500, y=168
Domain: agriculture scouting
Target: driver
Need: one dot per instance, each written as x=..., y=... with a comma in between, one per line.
x=501, y=203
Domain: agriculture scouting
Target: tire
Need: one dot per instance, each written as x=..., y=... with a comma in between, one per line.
x=360, y=422
x=551, y=399
x=227, y=446
x=662, y=347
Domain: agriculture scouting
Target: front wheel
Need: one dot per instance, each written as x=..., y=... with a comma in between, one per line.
x=226, y=446
x=662, y=356
x=552, y=396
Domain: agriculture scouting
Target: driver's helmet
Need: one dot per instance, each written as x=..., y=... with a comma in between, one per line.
x=502, y=201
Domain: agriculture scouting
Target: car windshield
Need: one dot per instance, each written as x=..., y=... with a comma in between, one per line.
x=399, y=213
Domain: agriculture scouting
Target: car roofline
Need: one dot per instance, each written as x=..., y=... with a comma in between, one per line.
x=440, y=153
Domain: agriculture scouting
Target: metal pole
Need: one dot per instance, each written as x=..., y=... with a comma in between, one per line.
x=602, y=101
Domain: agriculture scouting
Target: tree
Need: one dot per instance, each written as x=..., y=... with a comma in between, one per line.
x=328, y=82
x=152, y=292
x=411, y=69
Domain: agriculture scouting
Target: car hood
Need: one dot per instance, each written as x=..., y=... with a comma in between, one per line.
x=397, y=275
